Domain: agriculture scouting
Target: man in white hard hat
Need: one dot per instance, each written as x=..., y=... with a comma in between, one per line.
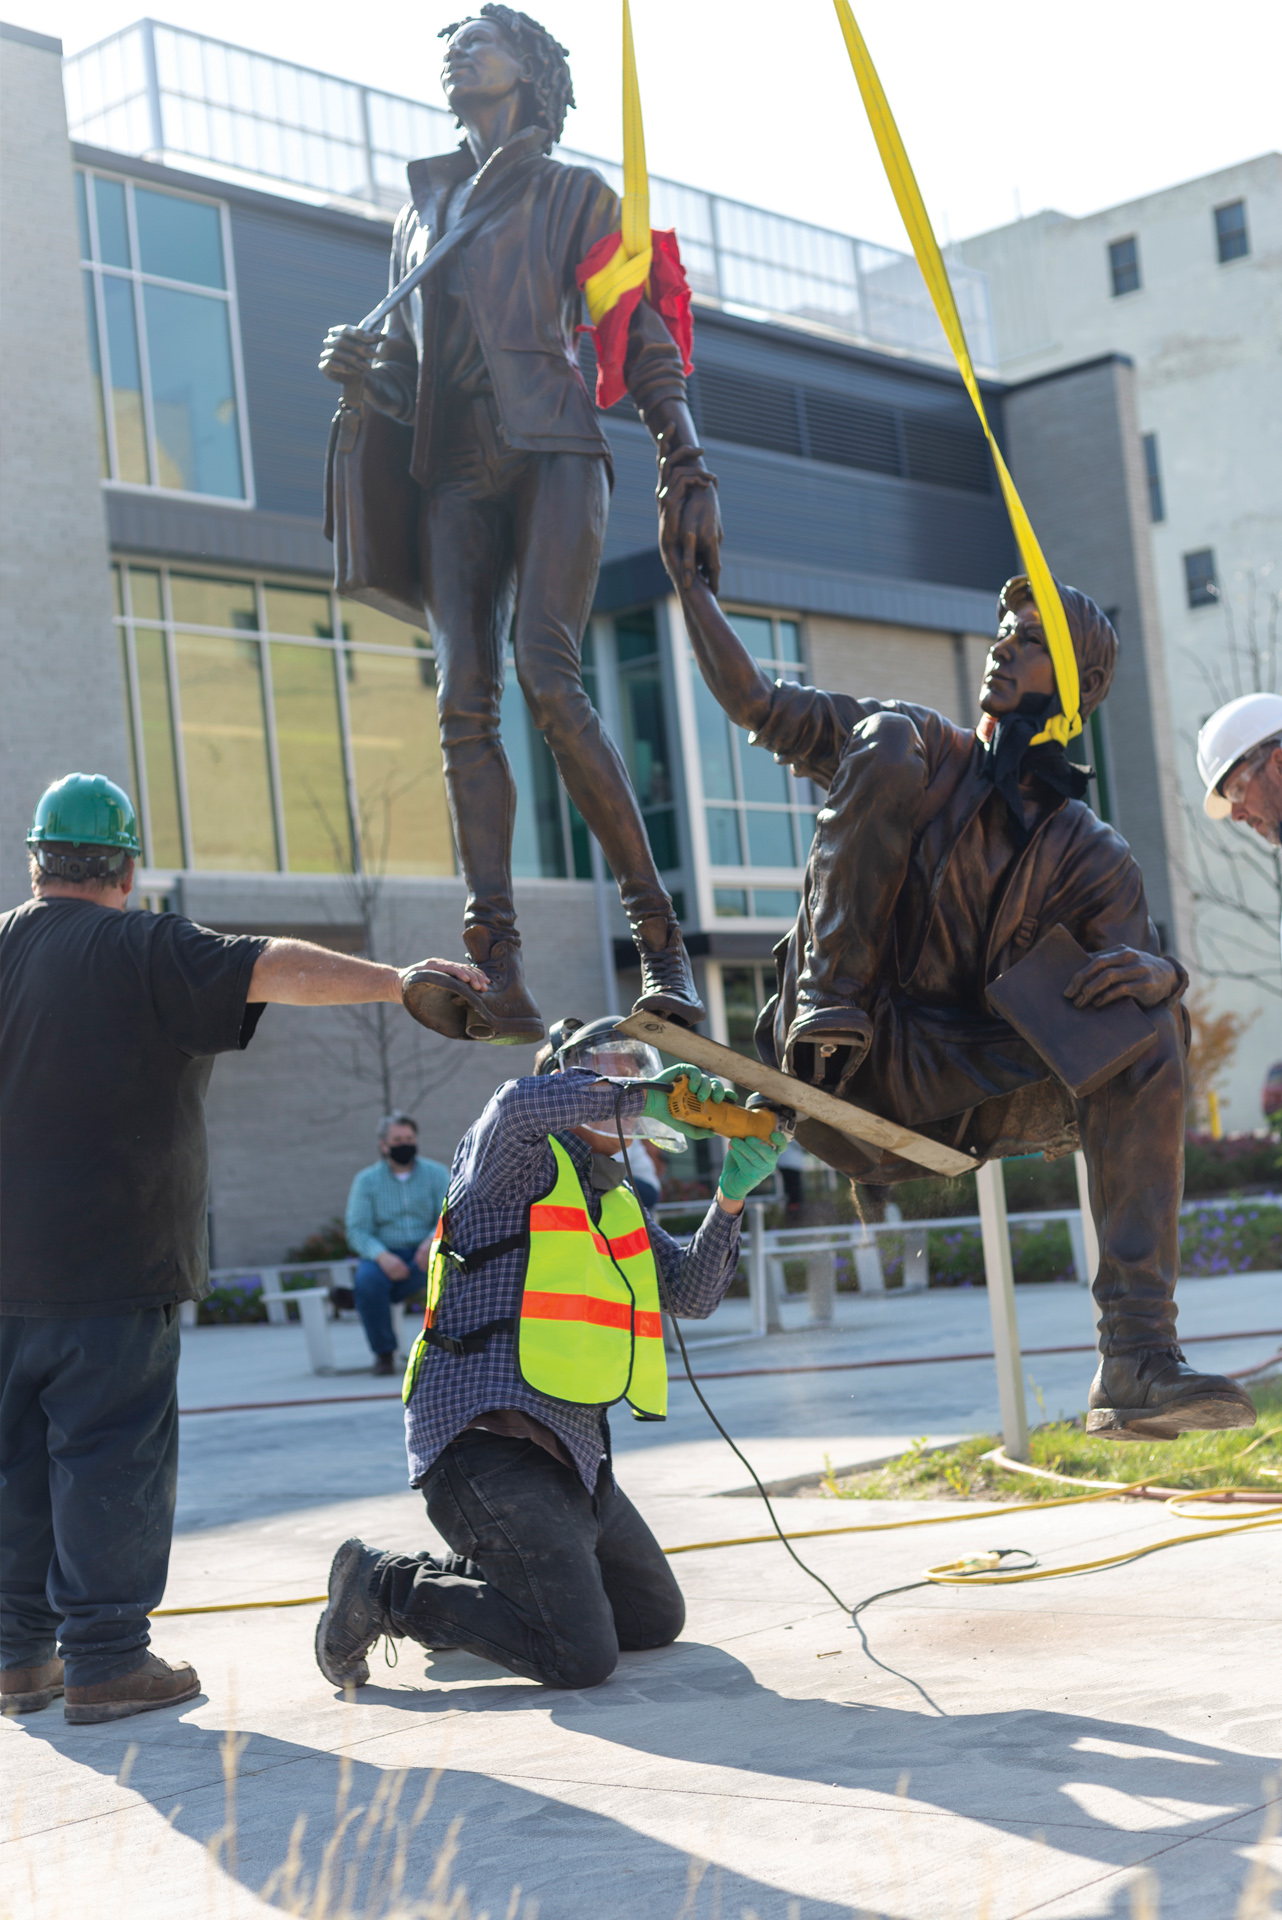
x=1239, y=756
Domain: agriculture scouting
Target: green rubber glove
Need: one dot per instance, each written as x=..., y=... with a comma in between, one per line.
x=702, y=1085
x=748, y=1163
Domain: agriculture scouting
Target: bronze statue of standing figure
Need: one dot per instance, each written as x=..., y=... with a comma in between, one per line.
x=469, y=476
x=942, y=856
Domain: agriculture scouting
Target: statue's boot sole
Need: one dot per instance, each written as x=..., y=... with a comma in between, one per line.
x=684, y=1010
x=450, y=1007
x=1200, y=1413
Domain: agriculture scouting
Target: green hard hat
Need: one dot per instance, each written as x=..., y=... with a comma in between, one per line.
x=88, y=810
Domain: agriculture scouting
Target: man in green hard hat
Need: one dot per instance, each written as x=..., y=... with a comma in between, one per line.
x=109, y=1024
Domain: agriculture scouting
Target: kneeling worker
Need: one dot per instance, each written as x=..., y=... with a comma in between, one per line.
x=544, y=1295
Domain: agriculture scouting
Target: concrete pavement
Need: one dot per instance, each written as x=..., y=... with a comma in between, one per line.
x=979, y=1752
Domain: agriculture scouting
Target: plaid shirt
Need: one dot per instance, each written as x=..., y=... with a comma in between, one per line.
x=502, y=1164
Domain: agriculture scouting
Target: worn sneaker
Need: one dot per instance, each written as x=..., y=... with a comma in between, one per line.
x=28, y=1689
x=353, y=1620
x=154, y=1684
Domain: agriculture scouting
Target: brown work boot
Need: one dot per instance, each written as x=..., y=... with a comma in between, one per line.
x=28, y=1689
x=1155, y=1395
x=154, y=1684
x=384, y=1363
x=667, y=984
x=503, y=1014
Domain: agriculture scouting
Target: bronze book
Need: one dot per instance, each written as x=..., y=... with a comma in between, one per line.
x=1085, y=1046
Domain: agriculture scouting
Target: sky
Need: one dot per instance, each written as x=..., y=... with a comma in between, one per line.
x=1005, y=106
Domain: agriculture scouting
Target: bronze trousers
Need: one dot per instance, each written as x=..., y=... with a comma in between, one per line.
x=510, y=547
x=929, y=1064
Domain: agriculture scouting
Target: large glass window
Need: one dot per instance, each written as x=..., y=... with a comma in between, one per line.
x=261, y=743
x=645, y=731
x=162, y=340
x=757, y=815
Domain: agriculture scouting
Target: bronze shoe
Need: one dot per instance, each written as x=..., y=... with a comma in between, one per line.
x=827, y=1041
x=504, y=1014
x=667, y=983
x=29, y=1689
x=1155, y=1395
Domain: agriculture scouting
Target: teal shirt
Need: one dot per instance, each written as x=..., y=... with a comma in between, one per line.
x=384, y=1212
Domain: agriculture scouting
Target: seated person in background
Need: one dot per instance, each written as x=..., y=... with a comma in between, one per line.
x=392, y=1211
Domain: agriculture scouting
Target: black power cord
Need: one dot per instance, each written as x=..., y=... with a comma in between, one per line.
x=698, y=1391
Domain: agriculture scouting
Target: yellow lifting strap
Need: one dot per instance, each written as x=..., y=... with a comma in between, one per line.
x=1061, y=726
x=630, y=266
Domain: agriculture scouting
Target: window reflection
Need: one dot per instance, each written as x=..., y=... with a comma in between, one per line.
x=95, y=369
x=166, y=367
x=645, y=733
x=299, y=610
x=179, y=239
x=396, y=750
x=193, y=393
x=369, y=628
x=205, y=601
x=309, y=752
x=166, y=848
x=225, y=752
x=126, y=379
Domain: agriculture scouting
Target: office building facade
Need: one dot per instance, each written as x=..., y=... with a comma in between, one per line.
x=283, y=744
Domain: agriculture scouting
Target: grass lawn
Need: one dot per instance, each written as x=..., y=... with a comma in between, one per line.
x=1246, y=1457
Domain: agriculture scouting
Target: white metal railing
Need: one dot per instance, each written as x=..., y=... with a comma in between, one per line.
x=166, y=93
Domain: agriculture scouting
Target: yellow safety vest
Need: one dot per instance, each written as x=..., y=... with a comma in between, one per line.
x=590, y=1330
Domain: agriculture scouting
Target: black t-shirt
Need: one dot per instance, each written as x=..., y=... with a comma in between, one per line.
x=109, y=1023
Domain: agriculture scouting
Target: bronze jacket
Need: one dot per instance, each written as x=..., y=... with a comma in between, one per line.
x=1075, y=870
x=518, y=275
x=956, y=1072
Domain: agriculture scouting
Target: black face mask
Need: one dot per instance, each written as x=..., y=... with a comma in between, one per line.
x=403, y=1154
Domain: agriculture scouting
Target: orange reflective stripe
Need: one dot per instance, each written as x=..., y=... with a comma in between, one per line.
x=549, y=1219
x=578, y=1306
x=649, y=1325
x=630, y=1244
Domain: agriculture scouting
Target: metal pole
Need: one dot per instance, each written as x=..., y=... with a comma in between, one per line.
x=601, y=895
x=1089, y=1235
x=757, y=1289
x=1000, y=1276
x=155, y=111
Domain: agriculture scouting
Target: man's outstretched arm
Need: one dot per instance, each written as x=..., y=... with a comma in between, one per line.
x=294, y=973
x=733, y=676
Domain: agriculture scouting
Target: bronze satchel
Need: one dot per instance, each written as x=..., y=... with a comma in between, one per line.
x=371, y=509
x=371, y=498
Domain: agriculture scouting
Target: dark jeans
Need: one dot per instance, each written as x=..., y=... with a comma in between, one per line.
x=376, y=1295
x=88, y=1479
x=560, y=1580
x=509, y=548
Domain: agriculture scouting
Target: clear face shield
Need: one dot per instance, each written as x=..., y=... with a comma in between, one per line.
x=618, y=1058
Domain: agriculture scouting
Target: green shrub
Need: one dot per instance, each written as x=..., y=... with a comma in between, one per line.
x=328, y=1243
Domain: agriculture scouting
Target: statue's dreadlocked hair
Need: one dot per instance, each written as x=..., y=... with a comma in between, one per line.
x=551, y=87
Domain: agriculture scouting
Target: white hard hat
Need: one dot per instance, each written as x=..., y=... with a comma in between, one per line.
x=1227, y=736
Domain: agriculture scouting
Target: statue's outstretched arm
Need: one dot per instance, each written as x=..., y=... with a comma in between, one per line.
x=732, y=674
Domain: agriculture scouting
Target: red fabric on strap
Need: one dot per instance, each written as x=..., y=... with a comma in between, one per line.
x=668, y=294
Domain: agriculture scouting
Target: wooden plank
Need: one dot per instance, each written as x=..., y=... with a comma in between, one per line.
x=855, y=1122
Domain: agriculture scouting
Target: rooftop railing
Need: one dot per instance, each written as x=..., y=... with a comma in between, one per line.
x=164, y=93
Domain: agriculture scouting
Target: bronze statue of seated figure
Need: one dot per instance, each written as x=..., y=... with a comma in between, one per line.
x=942, y=854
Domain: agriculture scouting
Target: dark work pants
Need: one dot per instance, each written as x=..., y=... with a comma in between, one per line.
x=927, y=1063
x=497, y=530
x=88, y=1479
x=560, y=1581
x=376, y=1295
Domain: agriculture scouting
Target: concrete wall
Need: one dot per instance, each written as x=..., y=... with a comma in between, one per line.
x=1076, y=458
x=929, y=668
x=61, y=693
x=1203, y=337
x=293, y=1117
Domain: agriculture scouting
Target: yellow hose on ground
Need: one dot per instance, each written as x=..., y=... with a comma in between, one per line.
x=945, y=1575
